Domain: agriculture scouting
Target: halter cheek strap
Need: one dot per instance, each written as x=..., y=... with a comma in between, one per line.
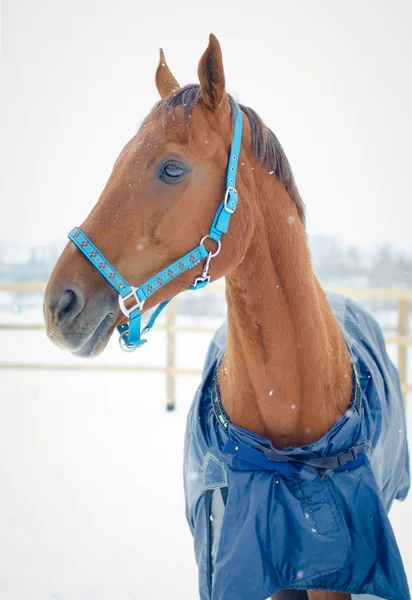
x=132, y=299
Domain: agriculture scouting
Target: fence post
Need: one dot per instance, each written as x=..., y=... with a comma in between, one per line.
x=171, y=313
x=403, y=308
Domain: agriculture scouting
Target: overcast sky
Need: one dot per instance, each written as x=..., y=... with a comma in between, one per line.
x=332, y=79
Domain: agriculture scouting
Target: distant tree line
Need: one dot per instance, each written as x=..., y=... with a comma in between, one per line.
x=338, y=263
x=36, y=266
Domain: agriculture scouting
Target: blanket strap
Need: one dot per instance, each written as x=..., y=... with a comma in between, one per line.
x=267, y=458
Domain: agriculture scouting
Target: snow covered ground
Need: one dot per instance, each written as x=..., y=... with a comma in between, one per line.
x=91, y=500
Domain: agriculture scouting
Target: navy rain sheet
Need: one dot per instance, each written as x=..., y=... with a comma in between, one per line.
x=261, y=526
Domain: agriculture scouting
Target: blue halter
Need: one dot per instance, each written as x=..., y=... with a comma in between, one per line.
x=130, y=332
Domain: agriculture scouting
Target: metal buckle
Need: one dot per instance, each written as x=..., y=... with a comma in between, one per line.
x=122, y=299
x=228, y=190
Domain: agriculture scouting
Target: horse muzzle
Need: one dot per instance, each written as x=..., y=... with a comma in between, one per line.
x=77, y=321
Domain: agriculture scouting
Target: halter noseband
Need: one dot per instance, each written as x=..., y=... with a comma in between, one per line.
x=130, y=332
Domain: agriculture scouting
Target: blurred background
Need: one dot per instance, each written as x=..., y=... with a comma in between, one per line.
x=91, y=501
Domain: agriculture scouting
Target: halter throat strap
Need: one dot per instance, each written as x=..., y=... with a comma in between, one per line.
x=131, y=298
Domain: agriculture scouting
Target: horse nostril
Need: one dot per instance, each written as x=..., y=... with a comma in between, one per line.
x=70, y=305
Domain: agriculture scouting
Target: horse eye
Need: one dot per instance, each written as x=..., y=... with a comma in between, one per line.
x=172, y=172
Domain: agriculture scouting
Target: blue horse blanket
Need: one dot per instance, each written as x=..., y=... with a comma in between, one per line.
x=261, y=526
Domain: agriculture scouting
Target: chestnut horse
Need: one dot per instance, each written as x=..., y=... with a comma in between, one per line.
x=160, y=199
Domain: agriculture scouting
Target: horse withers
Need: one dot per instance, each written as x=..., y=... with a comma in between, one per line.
x=296, y=444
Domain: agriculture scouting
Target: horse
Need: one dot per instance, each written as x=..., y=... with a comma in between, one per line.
x=296, y=443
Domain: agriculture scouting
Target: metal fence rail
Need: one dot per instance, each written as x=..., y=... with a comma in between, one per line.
x=402, y=340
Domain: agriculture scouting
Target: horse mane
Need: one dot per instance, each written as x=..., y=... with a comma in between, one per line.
x=265, y=145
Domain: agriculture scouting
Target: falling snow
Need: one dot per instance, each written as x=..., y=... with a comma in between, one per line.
x=142, y=244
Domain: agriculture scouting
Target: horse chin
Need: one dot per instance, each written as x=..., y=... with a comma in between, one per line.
x=98, y=341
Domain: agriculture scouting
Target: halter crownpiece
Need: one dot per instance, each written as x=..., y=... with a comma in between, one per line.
x=131, y=332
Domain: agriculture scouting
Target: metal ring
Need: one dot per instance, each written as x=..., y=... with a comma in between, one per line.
x=219, y=245
x=124, y=345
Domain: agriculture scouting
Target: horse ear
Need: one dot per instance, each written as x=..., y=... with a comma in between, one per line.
x=165, y=81
x=211, y=75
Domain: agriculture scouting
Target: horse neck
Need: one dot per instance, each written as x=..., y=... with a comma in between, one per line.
x=286, y=373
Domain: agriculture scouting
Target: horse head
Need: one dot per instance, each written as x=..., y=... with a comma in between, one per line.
x=159, y=201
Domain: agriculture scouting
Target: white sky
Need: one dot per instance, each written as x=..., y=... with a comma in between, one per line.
x=332, y=79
